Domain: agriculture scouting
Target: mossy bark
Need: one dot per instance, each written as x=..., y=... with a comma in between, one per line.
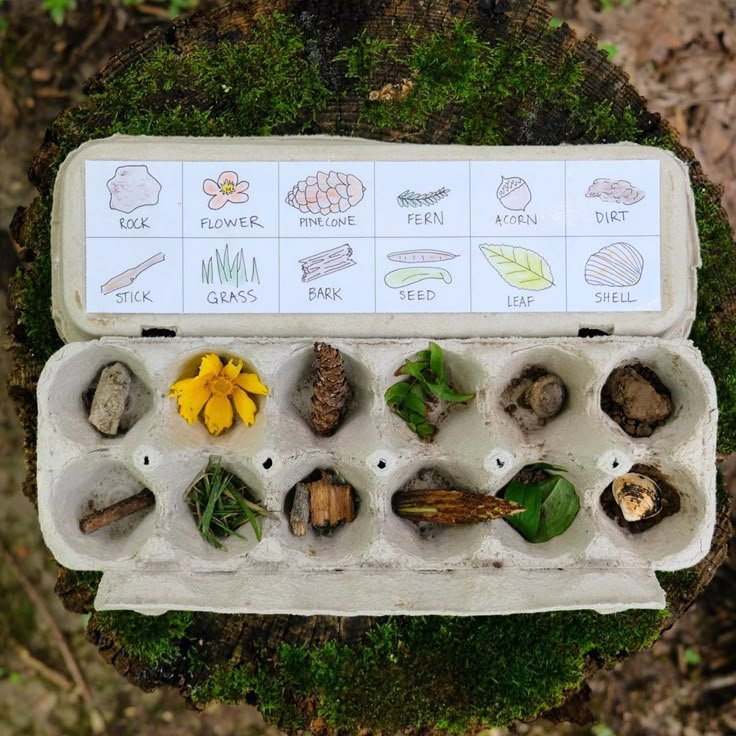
x=486, y=72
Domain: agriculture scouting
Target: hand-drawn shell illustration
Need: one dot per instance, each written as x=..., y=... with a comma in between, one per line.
x=514, y=193
x=620, y=192
x=326, y=193
x=617, y=264
x=133, y=187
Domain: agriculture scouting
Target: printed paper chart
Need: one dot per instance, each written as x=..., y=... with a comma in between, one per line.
x=372, y=237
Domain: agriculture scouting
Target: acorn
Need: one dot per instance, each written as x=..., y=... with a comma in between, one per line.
x=638, y=496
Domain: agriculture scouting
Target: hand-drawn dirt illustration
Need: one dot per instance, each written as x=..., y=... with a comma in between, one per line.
x=230, y=271
x=617, y=264
x=402, y=277
x=132, y=187
x=514, y=193
x=227, y=189
x=519, y=267
x=426, y=199
x=422, y=255
x=326, y=262
x=127, y=277
x=620, y=192
x=323, y=194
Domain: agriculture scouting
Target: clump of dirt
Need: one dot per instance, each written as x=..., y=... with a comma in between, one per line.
x=636, y=399
x=534, y=397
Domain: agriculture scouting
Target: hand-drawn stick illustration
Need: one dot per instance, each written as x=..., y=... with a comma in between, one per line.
x=326, y=262
x=514, y=193
x=422, y=255
x=132, y=187
x=227, y=188
x=620, y=192
x=426, y=199
x=519, y=267
x=411, y=275
x=617, y=264
x=127, y=277
x=326, y=193
x=230, y=271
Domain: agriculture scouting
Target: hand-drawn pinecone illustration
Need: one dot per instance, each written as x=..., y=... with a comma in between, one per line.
x=331, y=389
x=326, y=193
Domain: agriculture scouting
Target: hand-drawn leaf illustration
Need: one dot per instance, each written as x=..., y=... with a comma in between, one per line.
x=519, y=267
x=425, y=199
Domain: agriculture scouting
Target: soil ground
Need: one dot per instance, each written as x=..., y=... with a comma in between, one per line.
x=681, y=55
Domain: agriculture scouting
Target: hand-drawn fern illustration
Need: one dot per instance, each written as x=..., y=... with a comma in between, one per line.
x=425, y=199
x=230, y=272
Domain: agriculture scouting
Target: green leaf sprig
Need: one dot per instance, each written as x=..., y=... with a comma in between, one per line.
x=551, y=504
x=219, y=503
x=427, y=383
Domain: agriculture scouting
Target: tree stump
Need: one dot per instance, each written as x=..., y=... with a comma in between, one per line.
x=429, y=71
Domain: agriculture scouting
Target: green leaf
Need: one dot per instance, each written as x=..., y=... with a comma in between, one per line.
x=560, y=506
x=410, y=368
x=396, y=393
x=529, y=496
x=444, y=392
x=437, y=361
x=425, y=429
x=415, y=404
x=519, y=267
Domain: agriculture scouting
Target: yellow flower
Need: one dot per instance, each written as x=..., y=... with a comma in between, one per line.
x=213, y=389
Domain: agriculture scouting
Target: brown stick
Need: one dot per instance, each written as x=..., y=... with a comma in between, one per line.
x=110, y=514
x=299, y=516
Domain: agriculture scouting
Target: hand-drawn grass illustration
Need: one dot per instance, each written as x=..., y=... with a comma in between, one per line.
x=514, y=193
x=131, y=187
x=620, y=192
x=127, y=277
x=230, y=271
x=426, y=199
x=323, y=194
x=519, y=267
x=422, y=255
x=617, y=265
x=326, y=262
x=402, y=277
x=227, y=189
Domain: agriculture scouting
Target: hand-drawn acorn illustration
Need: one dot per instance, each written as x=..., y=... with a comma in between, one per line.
x=617, y=264
x=132, y=187
x=514, y=193
x=326, y=193
x=638, y=496
x=620, y=192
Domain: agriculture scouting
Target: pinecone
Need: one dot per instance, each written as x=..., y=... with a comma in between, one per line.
x=331, y=389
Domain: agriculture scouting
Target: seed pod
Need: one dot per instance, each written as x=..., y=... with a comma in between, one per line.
x=447, y=508
x=326, y=193
x=638, y=496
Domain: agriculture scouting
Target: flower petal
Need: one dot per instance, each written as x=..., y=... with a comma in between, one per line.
x=218, y=202
x=210, y=365
x=192, y=394
x=227, y=176
x=241, y=186
x=218, y=414
x=245, y=406
x=251, y=383
x=210, y=187
x=232, y=369
x=237, y=198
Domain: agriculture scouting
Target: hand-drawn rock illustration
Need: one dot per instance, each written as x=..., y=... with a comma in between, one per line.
x=620, y=192
x=227, y=188
x=411, y=275
x=426, y=199
x=230, y=271
x=326, y=262
x=326, y=193
x=422, y=255
x=617, y=264
x=519, y=267
x=132, y=187
x=127, y=277
x=514, y=193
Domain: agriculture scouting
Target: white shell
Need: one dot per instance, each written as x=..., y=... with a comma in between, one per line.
x=326, y=193
x=514, y=193
x=638, y=496
x=618, y=264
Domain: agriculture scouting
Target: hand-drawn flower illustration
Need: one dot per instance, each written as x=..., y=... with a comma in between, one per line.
x=227, y=188
x=213, y=389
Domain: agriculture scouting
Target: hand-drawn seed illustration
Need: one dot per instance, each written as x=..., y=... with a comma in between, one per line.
x=620, y=192
x=326, y=262
x=326, y=193
x=423, y=255
x=127, y=277
x=514, y=193
x=426, y=199
x=617, y=264
x=519, y=267
x=230, y=271
x=406, y=276
x=132, y=187
x=227, y=188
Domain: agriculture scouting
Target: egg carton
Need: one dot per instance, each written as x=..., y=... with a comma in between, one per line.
x=378, y=564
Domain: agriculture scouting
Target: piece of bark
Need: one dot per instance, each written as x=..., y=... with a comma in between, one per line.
x=117, y=511
x=330, y=503
x=110, y=399
x=448, y=507
x=331, y=389
x=299, y=516
x=326, y=262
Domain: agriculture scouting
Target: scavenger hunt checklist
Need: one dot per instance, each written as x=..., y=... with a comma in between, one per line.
x=372, y=236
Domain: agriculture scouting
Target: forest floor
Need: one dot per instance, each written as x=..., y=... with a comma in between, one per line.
x=680, y=54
